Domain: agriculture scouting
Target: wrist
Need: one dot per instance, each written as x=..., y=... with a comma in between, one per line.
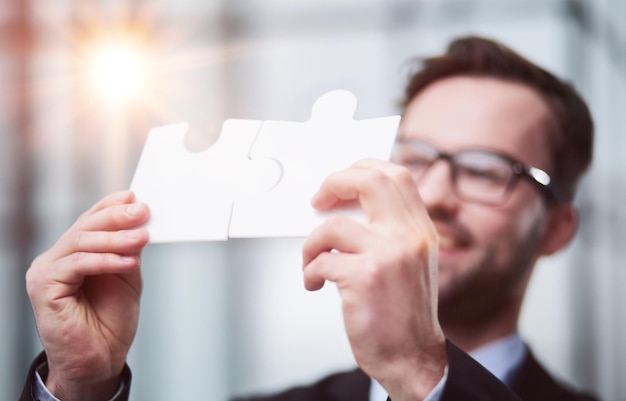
x=101, y=389
x=416, y=379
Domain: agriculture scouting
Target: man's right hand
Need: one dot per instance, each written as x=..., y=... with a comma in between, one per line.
x=386, y=272
x=85, y=294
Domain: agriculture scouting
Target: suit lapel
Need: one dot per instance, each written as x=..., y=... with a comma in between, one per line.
x=532, y=382
x=352, y=386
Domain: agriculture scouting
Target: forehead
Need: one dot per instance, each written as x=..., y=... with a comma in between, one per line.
x=475, y=112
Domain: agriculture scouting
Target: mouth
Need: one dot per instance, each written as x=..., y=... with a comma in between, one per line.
x=451, y=240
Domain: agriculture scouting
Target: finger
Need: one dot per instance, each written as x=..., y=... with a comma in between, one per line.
x=327, y=266
x=337, y=233
x=382, y=189
x=72, y=269
x=124, y=242
x=400, y=175
x=75, y=267
x=116, y=198
x=114, y=217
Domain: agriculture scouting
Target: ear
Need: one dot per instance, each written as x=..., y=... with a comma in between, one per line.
x=561, y=228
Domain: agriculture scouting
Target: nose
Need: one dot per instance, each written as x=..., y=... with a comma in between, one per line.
x=437, y=189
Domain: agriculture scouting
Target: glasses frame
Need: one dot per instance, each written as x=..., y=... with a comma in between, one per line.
x=536, y=176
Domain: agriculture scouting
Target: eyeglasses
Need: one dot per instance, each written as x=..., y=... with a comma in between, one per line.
x=477, y=175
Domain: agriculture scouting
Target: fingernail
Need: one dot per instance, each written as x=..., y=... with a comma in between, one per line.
x=133, y=209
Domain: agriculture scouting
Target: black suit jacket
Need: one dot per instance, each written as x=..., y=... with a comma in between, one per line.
x=467, y=381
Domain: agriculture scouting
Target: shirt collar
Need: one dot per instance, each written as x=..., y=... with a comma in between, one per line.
x=501, y=357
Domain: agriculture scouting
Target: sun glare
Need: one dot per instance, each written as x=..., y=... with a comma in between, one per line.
x=118, y=72
x=129, y=61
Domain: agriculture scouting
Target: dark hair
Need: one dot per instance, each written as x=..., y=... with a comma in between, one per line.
x=571, y=129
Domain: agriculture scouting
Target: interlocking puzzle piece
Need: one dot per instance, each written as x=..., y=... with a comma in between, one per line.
x=308, y=152
x=258, y=178
x=191, y=194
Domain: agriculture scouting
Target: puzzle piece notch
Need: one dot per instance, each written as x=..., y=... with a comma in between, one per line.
x=191, y=194
x=308, y=152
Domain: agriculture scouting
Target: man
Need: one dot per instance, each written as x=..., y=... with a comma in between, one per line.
x=490, y=151
x=496, y=147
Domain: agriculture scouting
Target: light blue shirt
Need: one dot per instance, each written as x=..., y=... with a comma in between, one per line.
x=501, y=358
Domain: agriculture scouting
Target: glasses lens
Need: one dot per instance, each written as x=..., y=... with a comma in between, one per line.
x=477, y=175
x=416, y=156
x=482, y=176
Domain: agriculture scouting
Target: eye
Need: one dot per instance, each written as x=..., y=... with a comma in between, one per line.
x=412, y=157
x=417, y=160
x=494, y=175
x=416, y=163
x=483, y=169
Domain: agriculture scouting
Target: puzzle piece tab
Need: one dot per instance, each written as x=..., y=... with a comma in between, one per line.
x=308, y=152
x=257, y=180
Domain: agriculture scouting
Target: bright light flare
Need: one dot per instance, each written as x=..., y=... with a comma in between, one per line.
x=118, y=72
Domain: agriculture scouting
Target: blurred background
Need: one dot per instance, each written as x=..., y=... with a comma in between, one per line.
x=82, y=82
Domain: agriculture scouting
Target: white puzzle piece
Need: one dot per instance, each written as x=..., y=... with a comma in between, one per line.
x=308, y=152
x=191, y=194
x=258, y=179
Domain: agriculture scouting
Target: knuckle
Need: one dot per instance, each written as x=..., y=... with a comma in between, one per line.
x=75, y=239
x=76, y=258
x=372, y=270
x=32, y=282
x=404, y=176
x=104, y=259
x=118, y=215
x=377, y=177
x=33, y=275
x=81, y=260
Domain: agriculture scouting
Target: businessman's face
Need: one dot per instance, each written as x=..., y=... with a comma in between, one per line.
x=486, y=250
